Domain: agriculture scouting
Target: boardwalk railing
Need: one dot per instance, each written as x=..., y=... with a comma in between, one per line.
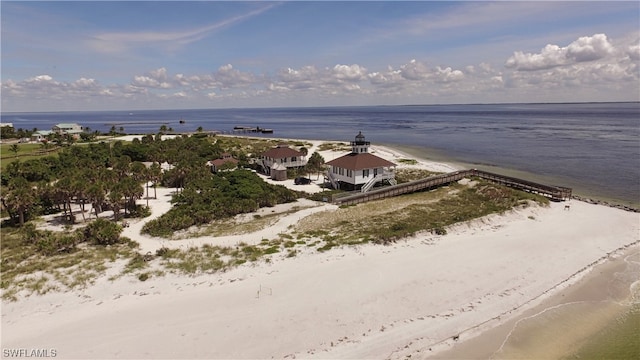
x=555, y=193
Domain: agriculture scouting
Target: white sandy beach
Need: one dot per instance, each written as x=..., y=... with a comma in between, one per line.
x=416, y=297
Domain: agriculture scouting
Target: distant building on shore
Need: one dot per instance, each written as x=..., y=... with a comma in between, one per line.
x=360, y=170
x=40, y=135
x=71, y=129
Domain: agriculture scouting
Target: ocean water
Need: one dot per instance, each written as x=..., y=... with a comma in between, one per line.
x=591, y=147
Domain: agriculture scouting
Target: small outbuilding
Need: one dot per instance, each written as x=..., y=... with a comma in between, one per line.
x=278, y=172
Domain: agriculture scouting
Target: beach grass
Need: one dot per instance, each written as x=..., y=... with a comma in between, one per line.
x=389, y=220
x=235, y=226
x=26, y=270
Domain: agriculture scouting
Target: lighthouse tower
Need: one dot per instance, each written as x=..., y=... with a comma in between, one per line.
x=359, y=145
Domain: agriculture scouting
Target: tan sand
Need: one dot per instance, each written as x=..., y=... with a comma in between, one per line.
x=417, y=297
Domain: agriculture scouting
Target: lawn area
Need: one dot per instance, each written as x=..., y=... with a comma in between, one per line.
x=25, y=152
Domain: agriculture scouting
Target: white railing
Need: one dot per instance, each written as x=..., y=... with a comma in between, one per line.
x=332, y=179
x=376, y=179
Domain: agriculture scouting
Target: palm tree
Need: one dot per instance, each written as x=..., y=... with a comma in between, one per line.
x=141, y=174
x=64, y=192
x=315, y=163
x=132, y=190
x=14, y=149
x=96, y=195
x=19, y=197
x=115, y=196
x=155, y=175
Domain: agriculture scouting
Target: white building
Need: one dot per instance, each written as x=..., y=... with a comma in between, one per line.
x=72, y=129
x=360, y=169
x=283, y=156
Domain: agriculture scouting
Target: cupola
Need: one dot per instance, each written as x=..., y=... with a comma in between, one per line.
x=359, y=145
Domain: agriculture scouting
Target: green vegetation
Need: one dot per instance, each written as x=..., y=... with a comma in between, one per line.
x=38, y=261
x=407, y=175
x=221, y=196
x=334, y=147
x=388, y=220
x=408, y=161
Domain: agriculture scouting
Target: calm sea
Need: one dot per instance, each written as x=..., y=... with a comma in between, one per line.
x=592, y=147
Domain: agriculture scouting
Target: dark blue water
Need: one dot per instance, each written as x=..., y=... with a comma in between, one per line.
x=593, y=147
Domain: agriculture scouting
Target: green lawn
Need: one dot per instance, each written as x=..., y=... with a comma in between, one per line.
x=25, y=152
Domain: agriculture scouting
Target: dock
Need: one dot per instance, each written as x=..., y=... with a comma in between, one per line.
x=554, y=193
x=245, y=129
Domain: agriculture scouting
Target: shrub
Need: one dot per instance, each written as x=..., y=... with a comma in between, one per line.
x=49, y=243
x=102, y=232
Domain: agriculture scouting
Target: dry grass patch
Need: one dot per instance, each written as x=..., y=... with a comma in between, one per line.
x=239, y=225
x=388, y=220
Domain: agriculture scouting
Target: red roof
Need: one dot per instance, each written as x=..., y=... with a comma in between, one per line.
x=359, y=161
x=220, y=162
x=281, y=152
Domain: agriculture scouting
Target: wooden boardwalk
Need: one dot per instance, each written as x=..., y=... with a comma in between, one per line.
x=555, y=193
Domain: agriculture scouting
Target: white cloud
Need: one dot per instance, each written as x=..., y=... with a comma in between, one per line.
x=587, y=48
x=414, y=70
x=449, y=75
x=118, y=42
x=304, y=74
x=353, y=72
x=593, y=63
x=228, y=77
x=633, y=51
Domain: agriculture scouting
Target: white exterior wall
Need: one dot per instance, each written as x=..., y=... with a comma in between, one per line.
x=288, y=163
x=356, y=178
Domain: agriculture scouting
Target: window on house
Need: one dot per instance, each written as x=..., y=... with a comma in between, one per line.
x=365, y=173
x=375, y=172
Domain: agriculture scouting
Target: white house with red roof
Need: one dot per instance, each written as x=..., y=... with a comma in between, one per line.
x=274, y=160
x=360, y=169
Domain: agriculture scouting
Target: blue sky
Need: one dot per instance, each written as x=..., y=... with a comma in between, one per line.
x=62, y=56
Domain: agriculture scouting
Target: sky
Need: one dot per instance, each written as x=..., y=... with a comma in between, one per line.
x=126, y=55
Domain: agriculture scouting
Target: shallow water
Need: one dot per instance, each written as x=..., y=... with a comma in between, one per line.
x=598, y=317
x=582, y=325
